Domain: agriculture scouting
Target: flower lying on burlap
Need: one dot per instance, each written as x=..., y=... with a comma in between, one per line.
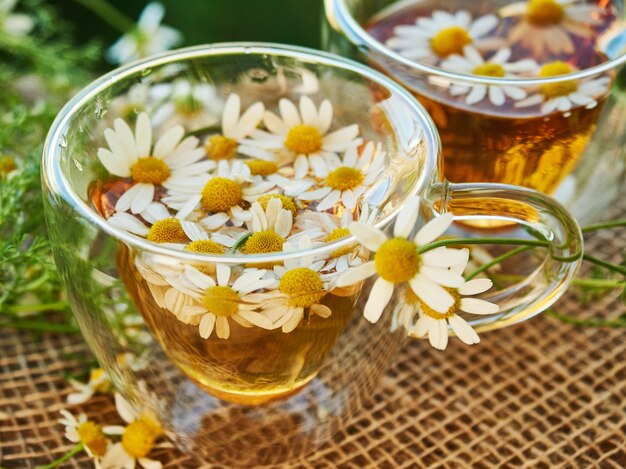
x=396, y=261
x=138, y=438
x=86, y=432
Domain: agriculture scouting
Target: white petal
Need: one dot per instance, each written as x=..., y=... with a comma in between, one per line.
x=289, y=112
x=124, y=409
x=442, y=276
x=223, y=274
x=222, y=328
x=257, y=319
x=213, y=222
x=405, y=222
x=206, y=325
x=379, y=297
x=475, y=286
x=166, y=144
x=143, y=198
x=357, y=274
x=372, y=238
x=249, y=121
x=230, y=115
x=143, y=135
x=463, y=330
x=433, y=229
x=308, y=111
x=435, y=296
x=476, y=306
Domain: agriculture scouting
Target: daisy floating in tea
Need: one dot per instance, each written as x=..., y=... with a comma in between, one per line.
x=266, y=185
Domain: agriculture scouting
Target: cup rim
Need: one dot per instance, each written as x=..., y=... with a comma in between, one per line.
x=341, y=17
x=58, y=184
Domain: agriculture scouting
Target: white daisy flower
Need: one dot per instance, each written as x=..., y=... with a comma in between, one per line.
x=14, y=24
x=148, y=38
x=235, y=128
x=396, y=261
x=134, y=101
x=138, y=439
x=271, y=226
x=217, y=302
x=335, y=228
x=565, y=95
x=98, y=382
x=348, y=178
x=192, y=105
x=90, y=434
x=304, y=135
x=300, y=289
x=546, y=25
x=223, y=194
x=472, y=63
x=172, y=159
x=434, y=38
x=164, y=228
x=434, y=323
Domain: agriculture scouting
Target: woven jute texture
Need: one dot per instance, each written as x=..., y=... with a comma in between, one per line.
x=539, y=394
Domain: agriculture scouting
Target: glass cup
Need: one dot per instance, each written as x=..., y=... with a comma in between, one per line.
x=263, y=396
x=513, y=123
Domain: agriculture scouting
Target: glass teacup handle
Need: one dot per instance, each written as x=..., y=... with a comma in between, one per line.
x=504, y=208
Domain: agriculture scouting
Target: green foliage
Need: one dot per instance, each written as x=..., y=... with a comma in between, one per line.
x=41, y=70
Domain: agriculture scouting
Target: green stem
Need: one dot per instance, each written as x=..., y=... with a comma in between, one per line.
x=110, y=14
x=613, y=324
x=601, y=226
x=56, y=306
x=580, y=282
x=607, y=265
x=240, y=242
x=39, y=326
x=457, y=241
x=497, y=260
x=79, y=447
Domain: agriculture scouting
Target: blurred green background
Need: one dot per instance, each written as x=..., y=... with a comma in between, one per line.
x=203, y=21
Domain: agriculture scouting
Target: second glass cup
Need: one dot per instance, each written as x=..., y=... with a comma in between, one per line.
x=527, y=93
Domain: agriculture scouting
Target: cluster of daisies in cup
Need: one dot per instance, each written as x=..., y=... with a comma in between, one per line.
x=538, y=32
x=270, y=181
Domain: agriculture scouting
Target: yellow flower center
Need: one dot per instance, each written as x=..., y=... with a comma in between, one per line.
x=261, y=168
x=490, y=70
x=151, y=170
x=304, y=139
x=344, y=178
x=450, y=40
x=221, y=194
x=187, y=106
x=410, y=297
x=544, y=12
x=221, y=301
x=563, y=88
x=397, y=260
x=428, y=311
x=168, y=230
x=219, y=147
x=95, y=375
x=92, y=436
x=288, y=202
x=262, y=242
x=338, y=233
x=138, y=438
x=205, y=246
x=303, y=286
x=7, y=164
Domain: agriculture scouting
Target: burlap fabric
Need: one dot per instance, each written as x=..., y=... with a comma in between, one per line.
x=540, y=394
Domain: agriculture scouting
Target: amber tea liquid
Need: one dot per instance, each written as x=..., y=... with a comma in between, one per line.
x=485, y=143
x=254, y=365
